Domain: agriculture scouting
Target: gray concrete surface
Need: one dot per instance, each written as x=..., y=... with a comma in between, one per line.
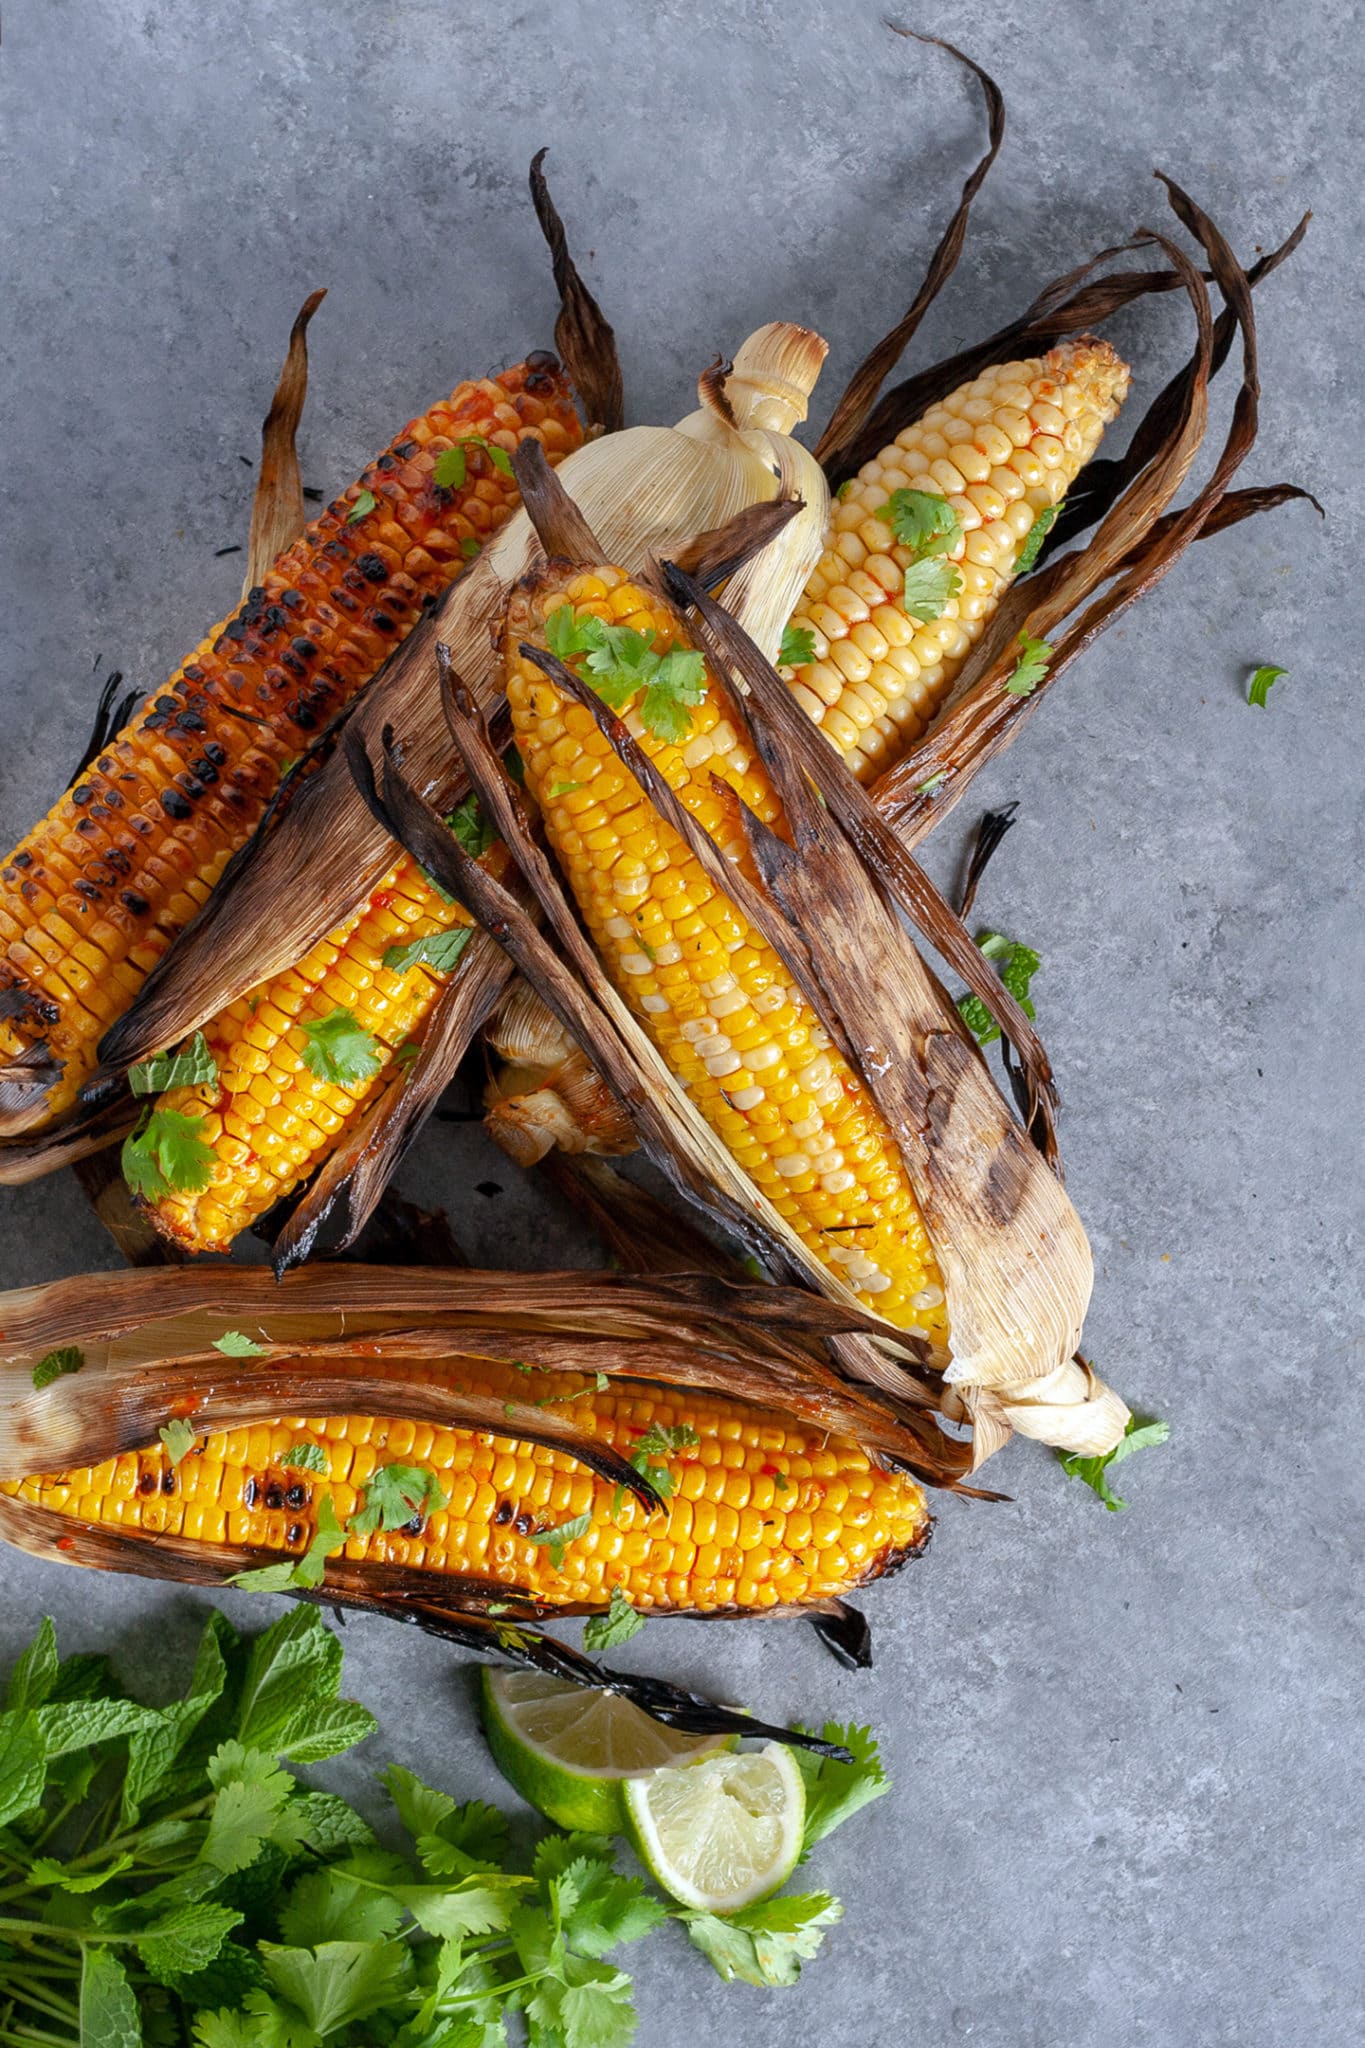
x=1124, y=1745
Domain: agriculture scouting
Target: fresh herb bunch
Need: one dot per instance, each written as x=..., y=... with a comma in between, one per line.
x=168, y=1881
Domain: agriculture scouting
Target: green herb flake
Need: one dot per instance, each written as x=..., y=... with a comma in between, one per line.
x=557, y=1540
x=1035, y=659
x=166, y=1155
x=440, y=951
x=470, y=827
x=305, y=1457
x=845, y=487
x=178, y=1436
x=301, y=1574
x=1258, y=690
x=469, y=547
x=193, y=1066
x=621, y=662
x=234, y=1344
x=922, y=521
x=1034, y=538
x=363, y=505
x=407, y=1055
x=562, y=789
x=1142, y=1432
x=1016, y=964
x=934, y=782
x=451, y=464
x=56, y=1365
x=396, y=1495
x=798, y=647
x=339, y=1049
x=620, y=1622
x=930, y=586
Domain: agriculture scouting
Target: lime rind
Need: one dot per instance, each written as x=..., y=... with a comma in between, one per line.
x=723, y=1833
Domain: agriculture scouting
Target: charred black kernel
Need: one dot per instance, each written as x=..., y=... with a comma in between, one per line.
x=142, y=825
x=275, y=617
x=113, y=799
x=89, y=891
x=274, y=1497
x=292, y=598
x=191, y=786
x=190, y=721
x=303, y=715
x=147, y=1483
x=137, y=904
x=168, y=1481
x=255, y=597
x=168, y=704
x=237, y=629
x=215, y=753
x=293, y=664
x=174, y=805
x=82, y=795
x=337, y=551
x=105, y=765
x=524, y=1523
x=294, y=1533
x=192, y=672
x=23, y=860
x=249, y=1494
x=415, y=1526
x=402, y=449
x=382, y=623
x=154, y=722
x=296, y=1496
x=84, y=825
x=305, y=649
x=502, y=1514
x=385, y=462
x=542, y=359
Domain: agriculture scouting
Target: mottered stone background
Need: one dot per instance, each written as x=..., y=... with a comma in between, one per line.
x=1121, y=1743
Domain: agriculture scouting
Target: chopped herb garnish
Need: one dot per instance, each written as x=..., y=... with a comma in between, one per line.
x=366, y=502
x=1016, y=965
x=188, y=1068
x=617, y=1625
x=922, y=521
x=166, y=1154
x=302, y=1573
x=798, y=647
x=305, y=1457
x=472, y=830
x=233, y=1344
x=450, y=467
x=934, y=782
x=1035, y=659
x=469, y=547
x=1141, y=1432
x=558, y=1540
x=621, y=662
x=1259, y=688
x=407, y=1055
x=930, y=586
x=178, y=1437
x=781, y=1482
x=340, y=1050
x=437, y=950
x=562, y=789
x=396, y=1495
x=845, y=487
x=660, y=1440
x=1034, y=538
x=57, y=1364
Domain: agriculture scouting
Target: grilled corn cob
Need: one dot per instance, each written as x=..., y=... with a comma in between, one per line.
x=763, y=1512
x=269, y=1117
x=711, y=992
x=1001, y=450
x=93, y=897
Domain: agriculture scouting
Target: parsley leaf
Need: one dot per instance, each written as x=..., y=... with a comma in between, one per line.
x=305, y=1457
x=1016, y=965
x=798, y=647
x=929, y=585
x=166, y=1154
x=836, y=1791
x=1035, y=659
x=193, y=1064
x=178, y=1437
x=1141, y=1432
x=767, y=1943
x=364, y=504
x=233, y=1344
x=617, y=1625
x=339, y=1049
x=471, y=828
x=1034, y=538
x=437, y=950
x=396, y=1495
x=922, y=521
x=1259, y=688
x=70, y=1358
x=558, y=1539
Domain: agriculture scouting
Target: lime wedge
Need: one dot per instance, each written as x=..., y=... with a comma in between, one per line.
x=568, y=1749
x=723, y=1834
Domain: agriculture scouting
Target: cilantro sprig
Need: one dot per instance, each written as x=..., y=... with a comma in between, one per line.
x=166, y=1154
x=922, y=521
x=798, y=647
x=1033, y=662
x=439, y=951
x=1142, y=1432
x=451, y=465
x=660, y=1441
x=621, y=663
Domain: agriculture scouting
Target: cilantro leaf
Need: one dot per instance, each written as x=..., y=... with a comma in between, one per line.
x=339, y=1049
x=1258, y=689
x=1034, y=538
x=330, y=1905
x=562, y=789
x=566, y=635
x=407, y=1055
x=233, y=1344
x=764, y=1944
x=193, y=1064
x=178, y=1437
x=658, y=1441
x=1035, y=659
x=396, y=1495
x=836, y=1791
x=620, y=1622
x=929, y=585
x=166, y=1154
x=932, y=783
x=1016, y=964
x=557, y=1540
x=620, y=662
x=305, y=1457
x=677, y=686
x=338, y=1982
x=798, y=647
x=70, y=1358
x=922, y=521
x=1141, y=1432
x=450, y=467
x=247, y=1812
x=469, y=547
x=437, y=950
x=600, y=1908
x=364, y=503
x=473, y=831
x=301, y=1573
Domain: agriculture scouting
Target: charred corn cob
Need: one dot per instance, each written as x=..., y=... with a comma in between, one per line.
x=1001, y=451
x=762, y=1512
x=93, y=897
x=278, y=1103
x=714, y=996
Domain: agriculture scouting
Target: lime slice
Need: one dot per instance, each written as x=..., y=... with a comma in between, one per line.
x=568, y=1749
x=725, y=1833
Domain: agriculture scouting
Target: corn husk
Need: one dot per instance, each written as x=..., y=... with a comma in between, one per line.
x=278, y=512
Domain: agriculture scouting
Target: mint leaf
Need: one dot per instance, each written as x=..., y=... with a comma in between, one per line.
x=557, y=1540
x=233, y=1344
x=166, y=1155
x=338, y=1049
x=178, y=1437
x=108, y=2010
x=152, y=1751
x=1141, y=1432
x=617, y=1625
x=57, y=1364
x=396, y=1495
x=471, y=828
x=836, y=1791
x=305, y=1457
x=193, y=1065
x=1034, y=538
x=23, y=1765
x=928, y=587
x=1035, y=658
x=798, y=647
x=365, y=502
x=436, y=950
x=1258, y=689
x=35, y=1674
x=922, y=521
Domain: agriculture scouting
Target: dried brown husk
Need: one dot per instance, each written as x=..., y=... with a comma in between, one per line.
x=79, y=1135
x=278, y=513
x=583, y=334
